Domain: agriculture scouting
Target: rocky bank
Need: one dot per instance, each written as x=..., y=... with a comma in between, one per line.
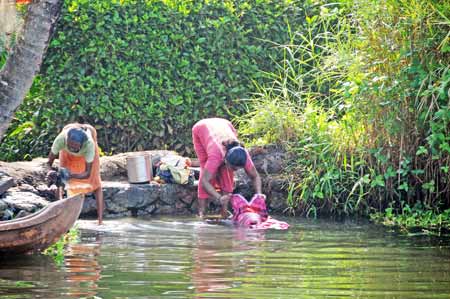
x=23, y=189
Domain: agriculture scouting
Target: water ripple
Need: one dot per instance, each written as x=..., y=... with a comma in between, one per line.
x=185, y=258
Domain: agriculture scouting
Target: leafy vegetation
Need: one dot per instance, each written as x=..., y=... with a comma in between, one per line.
x=57, y=250
x=417, y=217
x=356, y=90
x=144, y=71
x=363, y=102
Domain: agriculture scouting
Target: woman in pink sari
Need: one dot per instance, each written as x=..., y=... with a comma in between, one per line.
x=220, y=154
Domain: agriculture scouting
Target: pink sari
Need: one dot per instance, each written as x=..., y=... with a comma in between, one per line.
x=254, y=214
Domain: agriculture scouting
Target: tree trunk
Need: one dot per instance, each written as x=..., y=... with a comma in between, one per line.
x=25, y=60
x=9, y=20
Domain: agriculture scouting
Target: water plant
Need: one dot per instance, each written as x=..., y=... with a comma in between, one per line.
x=418, y=217
x=57, y=250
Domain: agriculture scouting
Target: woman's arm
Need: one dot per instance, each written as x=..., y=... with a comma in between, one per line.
x=83, y=175
x=57, y=145
x=223, y=199
x=205, y=183
x=51, y=159
x=256, y=179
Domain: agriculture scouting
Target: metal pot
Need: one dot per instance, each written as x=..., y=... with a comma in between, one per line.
x=139, y=168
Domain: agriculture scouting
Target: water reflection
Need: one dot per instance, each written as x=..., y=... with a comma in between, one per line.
x=39, y=276
x=22, y=276
x=212, y=271
x=82, y=269
x=221, y=264
x=185, y=258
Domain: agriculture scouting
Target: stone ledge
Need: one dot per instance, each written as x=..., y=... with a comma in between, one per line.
x=124, y=199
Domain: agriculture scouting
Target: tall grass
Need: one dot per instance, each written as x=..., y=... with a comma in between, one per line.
x=362, y=100
x=405, y=96
x=307, y=108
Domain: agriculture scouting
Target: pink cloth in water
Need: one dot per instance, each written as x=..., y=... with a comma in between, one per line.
x=254, y=214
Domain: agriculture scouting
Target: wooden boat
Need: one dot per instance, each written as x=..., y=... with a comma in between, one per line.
x=38, y=231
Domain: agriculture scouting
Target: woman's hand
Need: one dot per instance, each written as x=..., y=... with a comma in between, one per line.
x=256, y=195
x=65, y=174
x=224, y=200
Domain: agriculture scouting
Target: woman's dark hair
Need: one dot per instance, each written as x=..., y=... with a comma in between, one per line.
x=236, y=154
x=77, y=135
x=232, y=143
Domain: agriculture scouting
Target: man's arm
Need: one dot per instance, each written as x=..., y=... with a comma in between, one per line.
x=256, y=179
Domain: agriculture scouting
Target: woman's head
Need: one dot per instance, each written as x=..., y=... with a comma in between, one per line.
x=236, y=155
x=75, y=139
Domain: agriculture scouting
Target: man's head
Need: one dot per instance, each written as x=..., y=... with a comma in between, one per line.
x=75, y=139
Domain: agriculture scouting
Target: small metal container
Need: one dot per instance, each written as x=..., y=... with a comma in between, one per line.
x=139, y=168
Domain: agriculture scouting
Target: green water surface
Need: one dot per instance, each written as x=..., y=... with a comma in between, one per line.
x=186, y=258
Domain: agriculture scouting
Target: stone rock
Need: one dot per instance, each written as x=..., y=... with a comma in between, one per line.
x=47, y=192
x=3, y=208
x=142, y=195
x=276, y=203
x=269, y=159
x=194, y=207
x=188, y=199
x=172, y=193
x=118, y=203
x=151, y=209
x=243, y=184
x=22, y=213
x=125, y=199
x=25, y=188
x=276, y=184
x=166, y=210
x=114, y=168
x=7, y=214
x=6, y=182
x=3, y=205
x=27, y=201
x=29, y=172
x=90, y=206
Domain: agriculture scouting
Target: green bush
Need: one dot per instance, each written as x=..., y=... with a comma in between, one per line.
x=307, y=108
x=365, y=89
x=144, y=71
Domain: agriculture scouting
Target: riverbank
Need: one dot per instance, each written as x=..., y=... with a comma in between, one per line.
x=26, y=191
x=23, y=191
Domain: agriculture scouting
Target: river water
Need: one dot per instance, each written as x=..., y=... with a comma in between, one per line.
x=186, y=258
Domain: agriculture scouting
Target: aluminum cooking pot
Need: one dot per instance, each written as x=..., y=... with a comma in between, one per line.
x=139, y=168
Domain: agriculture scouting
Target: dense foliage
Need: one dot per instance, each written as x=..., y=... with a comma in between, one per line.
x=143, y=71
x=363, y=102
x=357, y=90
